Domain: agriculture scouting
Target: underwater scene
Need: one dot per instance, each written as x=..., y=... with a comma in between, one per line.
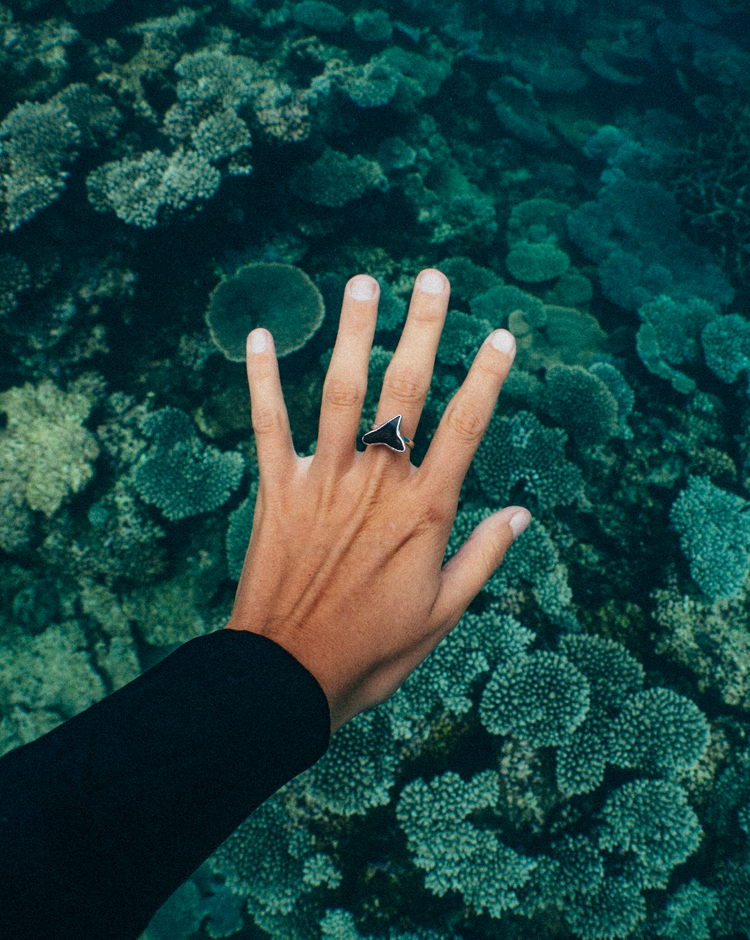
x=573, y=761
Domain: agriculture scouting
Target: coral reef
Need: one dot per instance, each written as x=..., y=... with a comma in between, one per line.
x=572, y=761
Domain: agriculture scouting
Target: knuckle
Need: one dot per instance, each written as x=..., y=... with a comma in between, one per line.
x=266, y=420
x=406, y=386
x=467, y=421
x=342, y=393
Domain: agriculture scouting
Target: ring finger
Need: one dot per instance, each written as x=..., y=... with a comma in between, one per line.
x=407, y=379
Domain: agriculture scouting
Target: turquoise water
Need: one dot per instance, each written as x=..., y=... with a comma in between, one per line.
x=573, y=760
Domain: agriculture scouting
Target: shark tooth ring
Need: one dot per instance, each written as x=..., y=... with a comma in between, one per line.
x=388, y=434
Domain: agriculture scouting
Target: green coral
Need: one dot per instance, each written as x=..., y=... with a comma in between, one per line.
x=714, y=535
x=37, y=141
x=334, y=179
x=670, y=336
x=540, y=698
x=456, y=855
x=711, y=638
x=279, y=297
x=44, y=679
x=534, y=262
x=46, y=453
x=357, y=771
x=519, y=452
x=653, y=825
x=179, y=474
x=135, y=189
x=579, y=401
x=726, y=346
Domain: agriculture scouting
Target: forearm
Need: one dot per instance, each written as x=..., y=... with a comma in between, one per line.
x=103, y=818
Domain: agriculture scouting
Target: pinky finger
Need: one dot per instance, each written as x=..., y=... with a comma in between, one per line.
x=467, y=572
x=273, y=438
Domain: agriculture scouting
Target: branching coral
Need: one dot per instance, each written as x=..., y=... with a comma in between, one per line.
x=455, y=854
x=714, y=535
x=520, y=451
x=178, y=473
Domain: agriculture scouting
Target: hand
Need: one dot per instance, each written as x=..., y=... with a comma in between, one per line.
x=344, y=567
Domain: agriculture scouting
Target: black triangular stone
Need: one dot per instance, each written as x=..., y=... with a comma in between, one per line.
x=387, y=434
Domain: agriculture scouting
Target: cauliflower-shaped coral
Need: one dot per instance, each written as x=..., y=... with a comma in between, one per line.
x=45, y=452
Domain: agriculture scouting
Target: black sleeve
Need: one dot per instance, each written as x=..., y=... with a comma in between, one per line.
x=104, y=817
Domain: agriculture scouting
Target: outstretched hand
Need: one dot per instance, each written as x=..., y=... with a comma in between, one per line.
x=345, y=563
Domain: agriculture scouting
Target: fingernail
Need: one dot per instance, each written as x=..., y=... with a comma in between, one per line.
x=519, y=522
x=258, y=341
x=362, y=287
x=430, y=282
x=503, y=340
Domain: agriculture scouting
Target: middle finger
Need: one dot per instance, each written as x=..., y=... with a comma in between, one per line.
x=408, y=376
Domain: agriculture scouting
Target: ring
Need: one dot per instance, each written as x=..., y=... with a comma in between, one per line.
x=388, y=434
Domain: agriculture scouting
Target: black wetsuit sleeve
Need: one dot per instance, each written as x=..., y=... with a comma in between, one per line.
x=104, y=817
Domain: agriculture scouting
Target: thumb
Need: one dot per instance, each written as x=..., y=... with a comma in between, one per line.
x=464, y=576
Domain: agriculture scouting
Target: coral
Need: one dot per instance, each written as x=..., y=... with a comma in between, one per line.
x=547, y=335
x=160, y=48
x=14, y=279
x=622, y=393
x=238, y=533
x=136, y=189
x=539, y=698
x=632, y=232
x=670, y=336
x=280, y=297
x=373, y=25
x=653, y=825
x=37, y=141
x=93, y=114
x=469, y=280
x=202, y=899
x=462, y=336
x=520, y=113
x=45, y=452
x=165, y=613
x=35, y=55
x=520, y=451
x=714, y=535
x=282, y=112
x=265, y=859
x=689, y=913
x=456, y=855
x=417, y=76
x=659, y=732
x=580, y=402
x=357, y=771
x=726, y=346
x=318, y=16
x=180, y=475
x=438, y=686
x=334, y=179
x=47, y=677
x=534, y=262
x=711, y=638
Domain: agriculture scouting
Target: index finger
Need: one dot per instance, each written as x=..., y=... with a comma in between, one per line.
x=467, y=416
